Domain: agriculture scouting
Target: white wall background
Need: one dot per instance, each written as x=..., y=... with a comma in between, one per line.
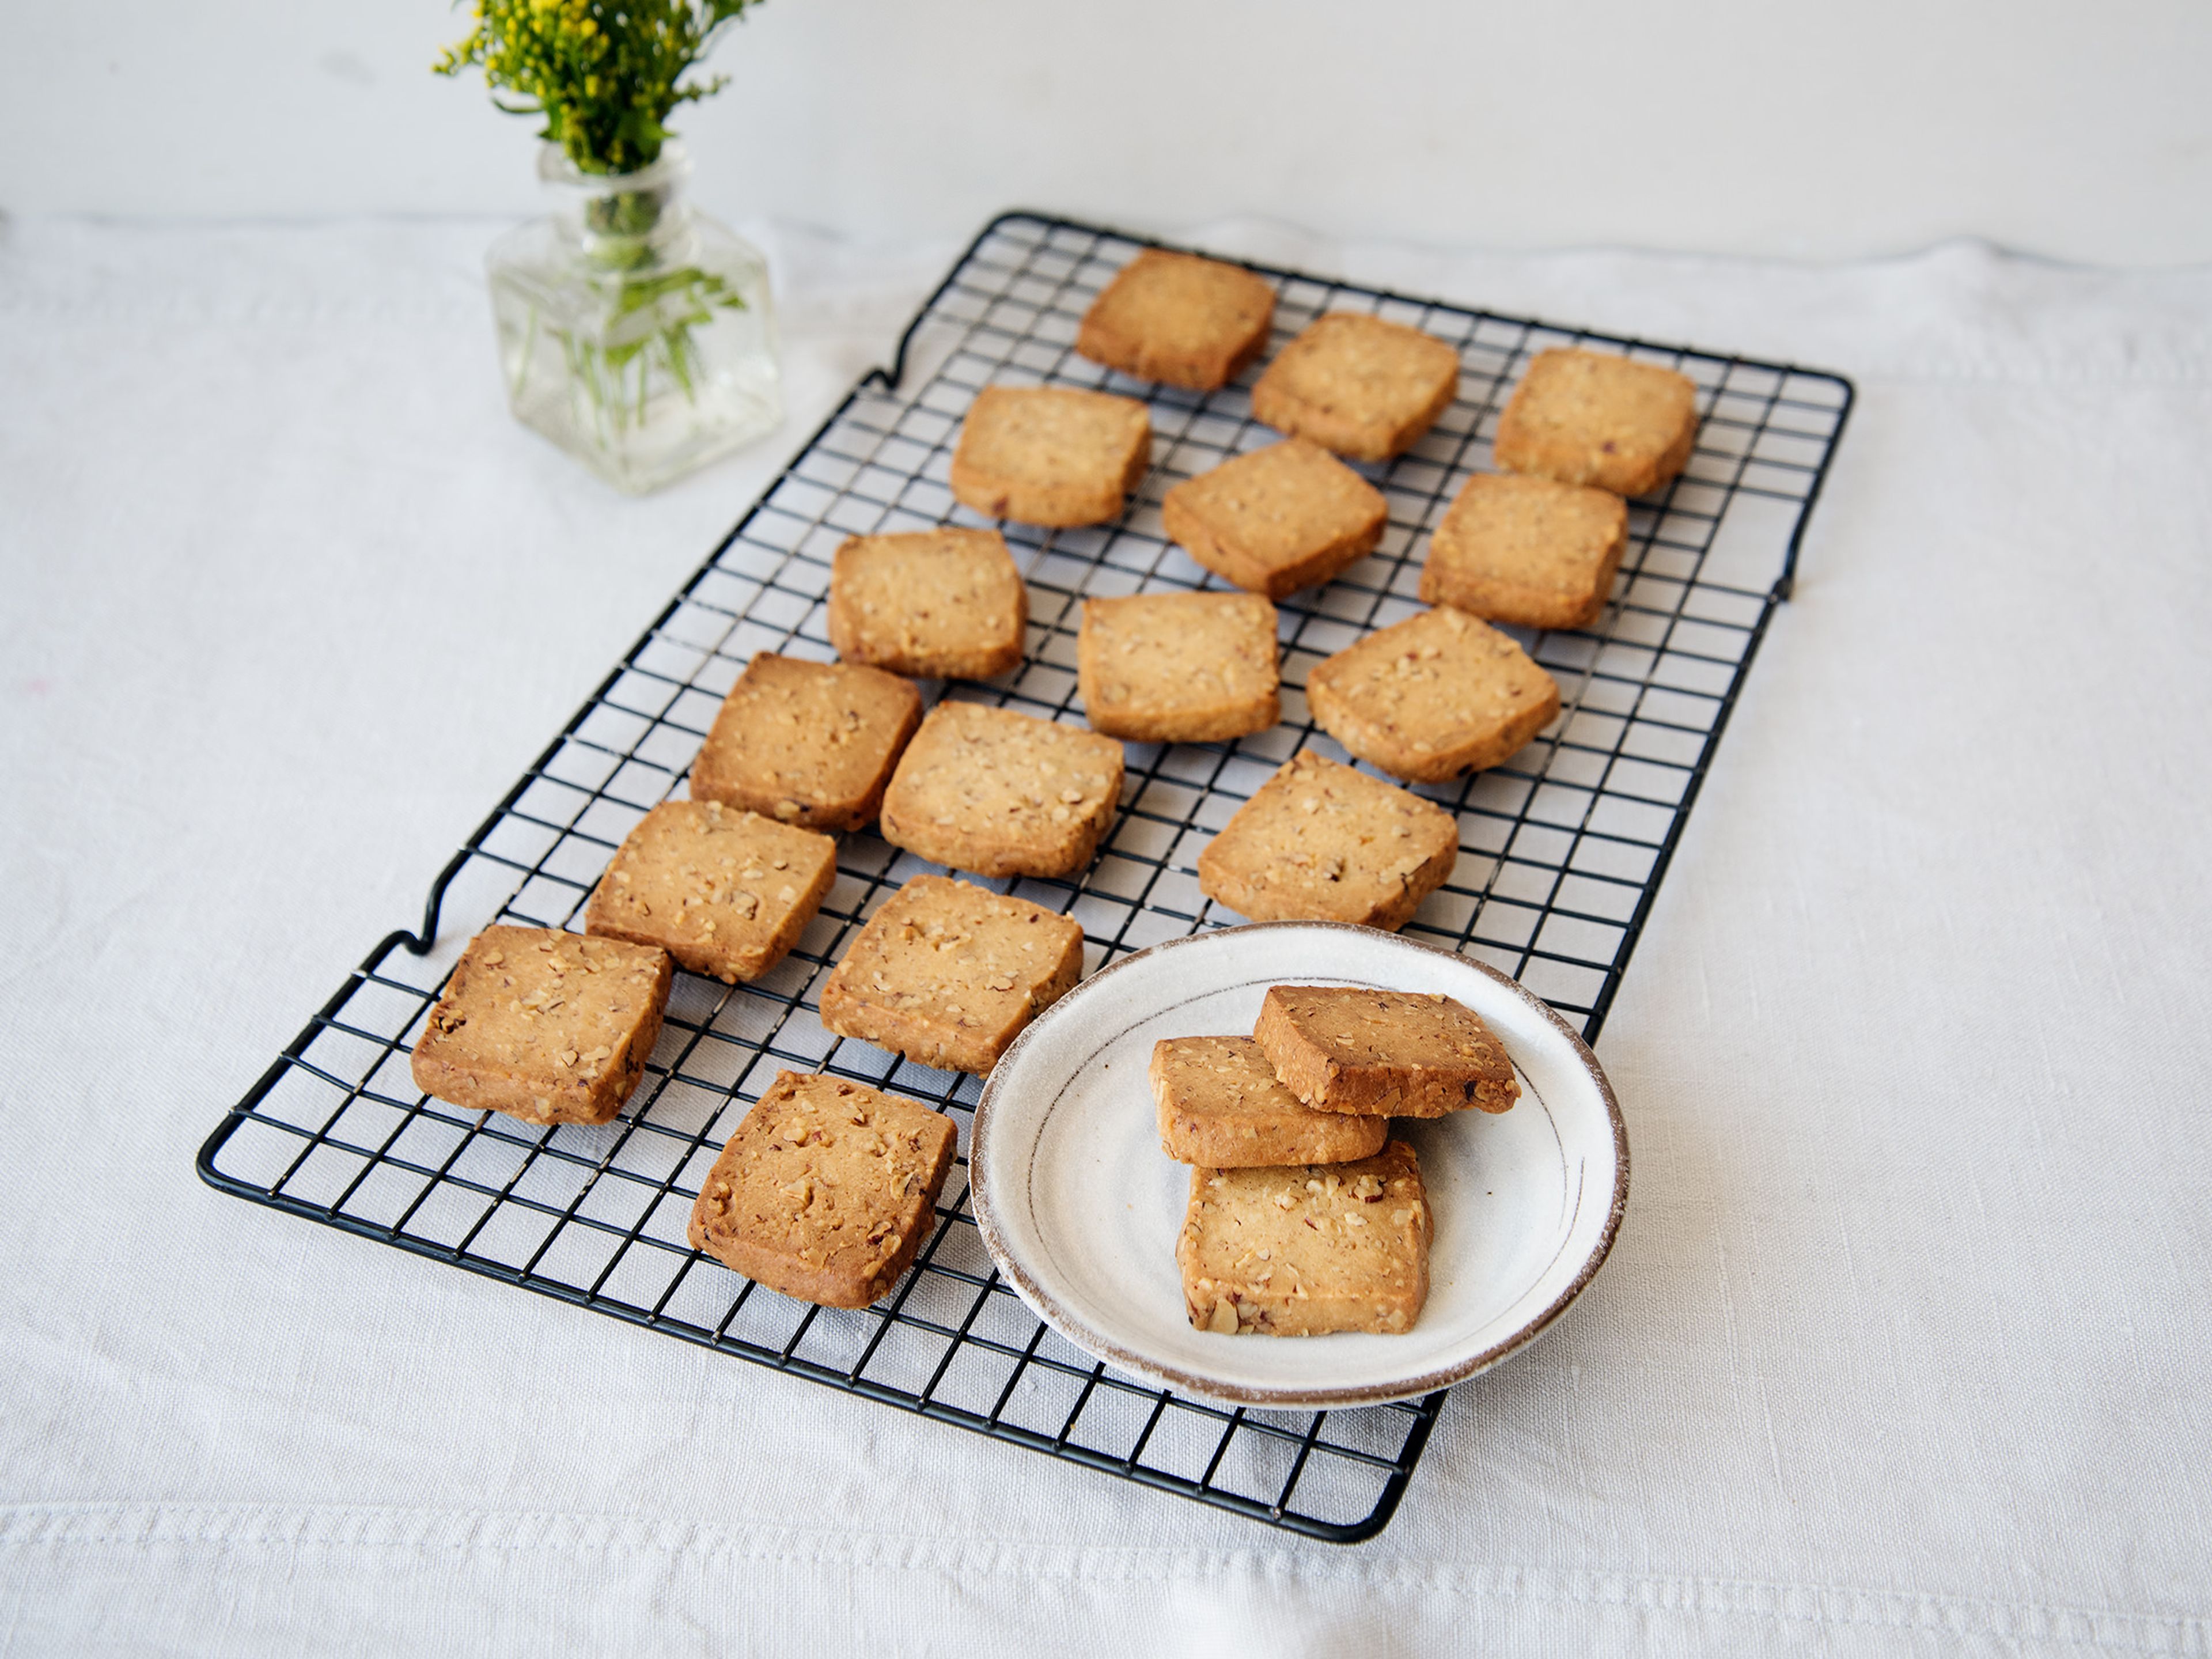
x=2079, y=130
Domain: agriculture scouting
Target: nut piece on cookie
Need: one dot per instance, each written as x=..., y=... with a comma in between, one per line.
x=826, y=1191
x=1002, y=794
x=1383, y=1053
x=1178, y=667
x=1588, y=417
x=1177, y=318
x=546, y=1026
x=726, y=893
x=936, y=603
x=1432, y=696
x=1358, y=385
x=1051, y=455
x=948, y=974
x=1322, y=842
x=807, y=742
x=1308, y=1249
x=1527, y=550
x=1221, y=1105
x=1279, y=519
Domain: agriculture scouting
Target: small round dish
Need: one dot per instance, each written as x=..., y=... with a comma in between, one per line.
x=1080, y=1208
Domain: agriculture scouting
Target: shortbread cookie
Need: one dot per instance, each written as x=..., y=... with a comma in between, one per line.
x=947, y=974
x=1527, y=550
x=726, y=893
x=545, y=1026
x=1358, y=385
x=1002, y=794
x=1177, y=318
x=1277, y=519
x=826, y=1190
x=1588, y=417
x=1051, y=455
x=1220, y=1105
x=939, y=603
x=1383, y=1053
x=807, y=742
x=1307, y=1249
x=1178, y=667
x=1432, y=696
x=1322, y=842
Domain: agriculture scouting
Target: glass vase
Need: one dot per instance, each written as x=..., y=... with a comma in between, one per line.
x=634, y=333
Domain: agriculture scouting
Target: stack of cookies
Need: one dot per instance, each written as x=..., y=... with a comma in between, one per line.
x=1305, y=1216
x=823, y=1191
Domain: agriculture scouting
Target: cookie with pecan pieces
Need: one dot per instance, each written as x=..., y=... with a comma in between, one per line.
x=1178, y=667
x=826, y=1190
x=948, y=974
x=725, y=893
x=1307, y=1249
x=1320, y=842
x=1527, y=550
x=1002, y=794
x=1435, y=696
x=1279, y=519
x=1050, y=455
x=1177, y=318
x=945, y=604
x=1589, y=418
x=1383, y=1053
x=1220, y=1103
x=545, y=1026
x=807, y=742
x=1358, y=385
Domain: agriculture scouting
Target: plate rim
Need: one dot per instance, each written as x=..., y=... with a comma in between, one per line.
x=1102, y=1347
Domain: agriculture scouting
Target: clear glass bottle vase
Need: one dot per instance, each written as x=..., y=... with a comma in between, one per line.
x=634, y=333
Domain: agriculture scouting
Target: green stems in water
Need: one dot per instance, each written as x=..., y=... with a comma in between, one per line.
x=615, y=374
x=623, y=220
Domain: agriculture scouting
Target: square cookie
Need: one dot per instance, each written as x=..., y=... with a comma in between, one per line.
x=545, y=1026
x=725, y=892
x=1308, y=1250
x=1588, y=417
x=1383, y=1053
x=1178, y=667
x=938, y=603
x=1527, y=550
x=1432, y=696
x=1277, y=519
x=1177, y=318
x=1322, y=842
x=1358, y=385
x=947, y=974
x=1002, y=794
x=807, y=742
x=1051, y=455
x=826, y=1191
x=1221, y=1105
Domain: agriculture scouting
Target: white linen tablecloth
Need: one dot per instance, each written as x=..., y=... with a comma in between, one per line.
x=1905, y=1342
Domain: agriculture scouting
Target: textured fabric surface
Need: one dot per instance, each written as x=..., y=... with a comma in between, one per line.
x=1902, y=1348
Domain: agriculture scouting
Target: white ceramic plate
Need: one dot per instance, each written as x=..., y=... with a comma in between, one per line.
x=1080, y=1208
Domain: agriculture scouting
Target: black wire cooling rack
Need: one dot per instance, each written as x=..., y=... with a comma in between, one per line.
x=1562, y=850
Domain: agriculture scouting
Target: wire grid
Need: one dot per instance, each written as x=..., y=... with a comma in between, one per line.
x=1562, y=850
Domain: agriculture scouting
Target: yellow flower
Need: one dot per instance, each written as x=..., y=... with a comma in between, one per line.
x=603, y=88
